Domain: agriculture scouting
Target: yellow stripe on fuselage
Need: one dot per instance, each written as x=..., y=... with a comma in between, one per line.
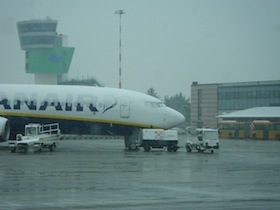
x=12, y=114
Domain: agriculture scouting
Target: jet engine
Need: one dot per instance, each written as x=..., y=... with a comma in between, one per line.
x=4, y=129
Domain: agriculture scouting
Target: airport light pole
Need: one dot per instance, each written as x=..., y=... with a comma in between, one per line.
x=120, y=13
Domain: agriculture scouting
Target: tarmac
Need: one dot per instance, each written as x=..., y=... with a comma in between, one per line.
x=101, y=174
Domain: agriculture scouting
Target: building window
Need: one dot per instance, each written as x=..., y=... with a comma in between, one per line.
x=199, y=105
x=243, y=97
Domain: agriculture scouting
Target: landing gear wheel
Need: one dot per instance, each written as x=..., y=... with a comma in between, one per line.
x=172, y=148
x=188, y=148
x=169, y=148
x=147, y=148
x=132, y=147
x=130, y=143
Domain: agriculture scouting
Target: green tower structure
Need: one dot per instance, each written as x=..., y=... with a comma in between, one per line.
x=46, y=54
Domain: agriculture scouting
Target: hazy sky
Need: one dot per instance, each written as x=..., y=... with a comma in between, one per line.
x=166, y=44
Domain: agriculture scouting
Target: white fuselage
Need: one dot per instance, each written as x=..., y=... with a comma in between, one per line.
x=87, y=104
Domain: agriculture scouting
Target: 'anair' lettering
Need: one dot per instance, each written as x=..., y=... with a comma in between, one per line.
x=50, y=101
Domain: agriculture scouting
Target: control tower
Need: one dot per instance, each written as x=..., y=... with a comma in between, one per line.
x=46, y=53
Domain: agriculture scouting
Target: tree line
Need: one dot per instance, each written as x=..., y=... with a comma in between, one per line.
x=177, y=102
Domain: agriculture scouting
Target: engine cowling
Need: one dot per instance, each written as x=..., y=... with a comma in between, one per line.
x=4, y=129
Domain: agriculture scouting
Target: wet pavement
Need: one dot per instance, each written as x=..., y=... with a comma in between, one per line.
x=100, y=174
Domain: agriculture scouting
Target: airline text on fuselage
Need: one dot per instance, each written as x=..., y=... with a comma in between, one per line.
x=52, y=100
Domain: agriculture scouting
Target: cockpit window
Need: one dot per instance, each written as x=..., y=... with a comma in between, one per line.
x=154, y=104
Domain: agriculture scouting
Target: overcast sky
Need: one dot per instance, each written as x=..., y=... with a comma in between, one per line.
x=166, y=44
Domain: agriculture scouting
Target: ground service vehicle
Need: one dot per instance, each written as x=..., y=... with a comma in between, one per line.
x=265, y=129
x=205, y=139
x=38, y=137
x=232, y=129
x=158, y=138
x=256, y=129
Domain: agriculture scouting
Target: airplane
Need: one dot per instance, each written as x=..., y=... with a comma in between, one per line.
x=83, y=110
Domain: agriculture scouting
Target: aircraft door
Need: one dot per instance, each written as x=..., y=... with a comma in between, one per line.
x=125, y=107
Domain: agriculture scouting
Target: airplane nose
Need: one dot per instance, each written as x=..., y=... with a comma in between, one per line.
x=176, y=118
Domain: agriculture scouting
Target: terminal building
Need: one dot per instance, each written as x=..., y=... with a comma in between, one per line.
x=211, y=100
x=46, y=53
